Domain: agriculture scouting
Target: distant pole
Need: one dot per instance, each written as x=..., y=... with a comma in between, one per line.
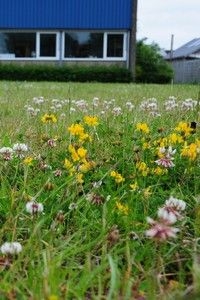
x=171, y=47
x=133, y=41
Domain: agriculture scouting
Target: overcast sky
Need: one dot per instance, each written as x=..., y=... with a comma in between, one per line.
x=159, y=19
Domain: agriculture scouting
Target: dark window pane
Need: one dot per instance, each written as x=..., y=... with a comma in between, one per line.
x=18, y=44
x=48, y=45
x=115, y=45
x=84, y=45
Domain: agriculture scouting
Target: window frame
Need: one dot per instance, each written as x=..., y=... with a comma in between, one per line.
x=105, y=39
x=38, y=38
x=19, y=58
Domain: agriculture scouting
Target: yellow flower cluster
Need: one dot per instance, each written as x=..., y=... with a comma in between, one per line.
x=184, y=128
x=91, y=120
x=49, y=118
x=122, y=208
x=76, y=129
x=192, y=150
x=78, y=163
x=117, y=176
x=142, y=167
x=143, y=127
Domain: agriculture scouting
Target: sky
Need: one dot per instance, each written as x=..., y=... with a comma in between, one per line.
x=158, y=20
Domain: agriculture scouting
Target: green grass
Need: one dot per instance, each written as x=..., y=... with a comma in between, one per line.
x=90, y=241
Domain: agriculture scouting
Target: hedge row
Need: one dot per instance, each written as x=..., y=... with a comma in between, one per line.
x=65, y=73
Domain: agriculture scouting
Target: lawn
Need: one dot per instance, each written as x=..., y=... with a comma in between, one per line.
x=100, y=191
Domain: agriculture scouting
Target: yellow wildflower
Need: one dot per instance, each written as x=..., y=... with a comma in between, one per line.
x=190, y=151
x=76, y=129
x=117, y=176
x=73, y=152
x=79, y=178
x=86, y=166
x=184, y=128
x=134, y=186
x=147, y=192
x=122, y=208
x=143, y=127
x=69, y=166
x=146, y=145
x=142, y=167
x=91, y=120
x=28, y=161
x=175, y=138
x=82, y=152
x=48, y=118
x=159, y=171
x=84, y=137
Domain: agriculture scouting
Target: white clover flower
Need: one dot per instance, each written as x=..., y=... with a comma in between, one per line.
x=72, y=109
x=95, y=101
x=189, y=104
x=11, y=248
x=117, y=111
x=97, y=184
x=129, y=105
x=171, y=211
x=38, y=100
x=171, y=103
x=168, y=215
x=33, y=207
x=19, y=149
x=177, y=204
x=6, y=153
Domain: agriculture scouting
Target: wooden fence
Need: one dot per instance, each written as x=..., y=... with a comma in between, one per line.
x=186, y=71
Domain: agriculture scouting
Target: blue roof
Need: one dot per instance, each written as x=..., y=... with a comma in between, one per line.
x=65, y=14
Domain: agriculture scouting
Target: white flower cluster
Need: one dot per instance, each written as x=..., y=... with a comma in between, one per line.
x=151, y=106
x=170, y=103
x=11, y=248
x=18, y=150
x=169, y=214
x=189, y=104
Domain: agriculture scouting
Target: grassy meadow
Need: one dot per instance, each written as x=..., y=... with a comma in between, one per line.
x=99, y=191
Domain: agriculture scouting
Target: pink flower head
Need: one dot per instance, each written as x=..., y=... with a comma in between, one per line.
x=51, y=143
x=160, y=230
x=165, y=162
x=33, y=207
x=6, y=153
x=166, y=159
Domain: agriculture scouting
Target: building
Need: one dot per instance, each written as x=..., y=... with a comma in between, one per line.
x=186, y=62
x=67, y=31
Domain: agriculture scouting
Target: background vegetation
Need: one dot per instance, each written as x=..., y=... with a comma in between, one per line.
x=90, y=240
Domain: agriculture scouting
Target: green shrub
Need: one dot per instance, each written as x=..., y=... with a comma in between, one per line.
x=65, y=73
x=150, y=65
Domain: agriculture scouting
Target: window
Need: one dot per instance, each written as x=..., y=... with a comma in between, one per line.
x=17, y=44
x=83, y=45
x=115, y=45
x=47, y=45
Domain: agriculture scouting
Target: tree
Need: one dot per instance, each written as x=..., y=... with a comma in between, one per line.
x=150, y=65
